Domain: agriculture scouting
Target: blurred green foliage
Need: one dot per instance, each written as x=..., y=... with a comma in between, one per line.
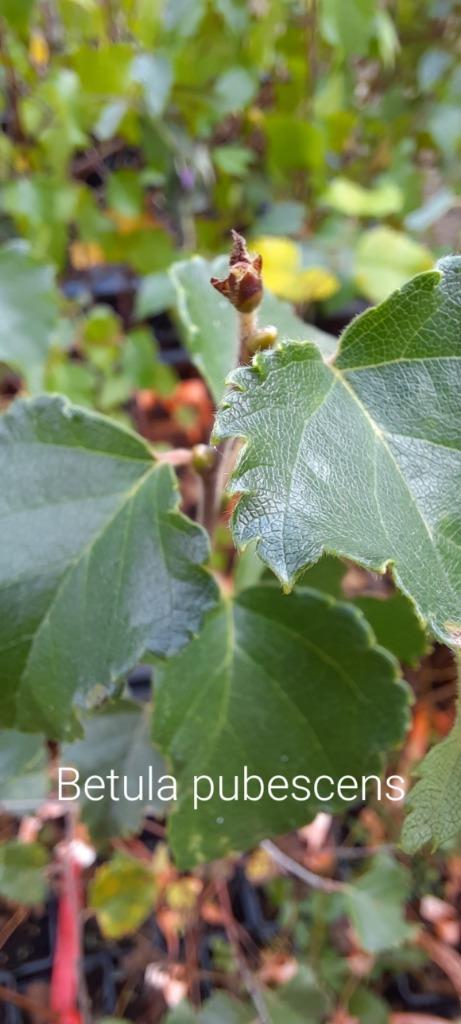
x=136, y=132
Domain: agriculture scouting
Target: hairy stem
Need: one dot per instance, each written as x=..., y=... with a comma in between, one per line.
x=243, y=288
x=248, y=323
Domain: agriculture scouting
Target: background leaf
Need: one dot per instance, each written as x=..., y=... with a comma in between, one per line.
x=28, y=314
x=368, y=1007
x=395, y=625
x=434, y=803
x=22, y=874
x=153, y=71
x=354, y=200
x=285, y=275
x=386, y=259
x=375, y=903
x=23, y=775
x=117, y=737
x=299, y=1001
x=219, y=1009
x=122, y=894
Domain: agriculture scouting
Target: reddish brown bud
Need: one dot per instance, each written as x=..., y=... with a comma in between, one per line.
x=243, y=285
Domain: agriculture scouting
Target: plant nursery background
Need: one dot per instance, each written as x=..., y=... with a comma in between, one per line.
x=136, y=135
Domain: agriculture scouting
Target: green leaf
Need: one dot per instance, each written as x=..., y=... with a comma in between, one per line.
x=326, y=575
x=376, y=903
x=235, y=89
x=22, y=877
x=269, y=683
x=387, y=37
x=354, y=200
x=110, y=119
x=348, y=25
x=154, y=73
x=233, y=160
x=368, y=1007
x=117, y=737
x=392, y=617
x=285, y=217
x=147, y=250
x=433, y=64
x=105, y=72
x=124, y=193
x=141, y=365
x=23, y=777
x=209, y=324
x=298, y=1002
x=289, y=325
x=42, y=208
x=443, y=125
x=74, y=380
x=113, y=1020
x=156, y=293
x=182, y=1014
x=122, y=894
x=434, y=803
x=184, y=17
x=97, y=564
x=395, y=625
x=28, y=314
x=293, y=144
x=219, y=1009
x=361, y=458
x=17, y=13
x=386, y=260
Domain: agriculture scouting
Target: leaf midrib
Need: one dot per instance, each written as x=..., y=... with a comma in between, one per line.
x=392, y=362
x=305, y=425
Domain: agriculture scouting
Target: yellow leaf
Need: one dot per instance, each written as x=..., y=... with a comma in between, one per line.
x=183, y=894
x=353, y=200
x=21, y=163
x=39, y=51
x=277, y=253
x=386, y=259
x=86, y=254
x=122, y=894
x=127, y=225
x=259, y=867
x=284, y=275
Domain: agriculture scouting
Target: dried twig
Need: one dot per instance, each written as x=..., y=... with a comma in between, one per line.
x=449, y=960
x=8, y=995
x=19, y=915
x=293, y=868
x=248, y=979
x=415, y=1018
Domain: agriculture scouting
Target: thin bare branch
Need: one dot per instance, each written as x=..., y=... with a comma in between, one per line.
x=299, y=871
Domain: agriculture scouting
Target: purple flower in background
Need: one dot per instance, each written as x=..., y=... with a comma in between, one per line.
x=187, y=178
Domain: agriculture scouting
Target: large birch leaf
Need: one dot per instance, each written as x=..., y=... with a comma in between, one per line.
x=96, y=563
x=362, y=457
x=286, y=686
